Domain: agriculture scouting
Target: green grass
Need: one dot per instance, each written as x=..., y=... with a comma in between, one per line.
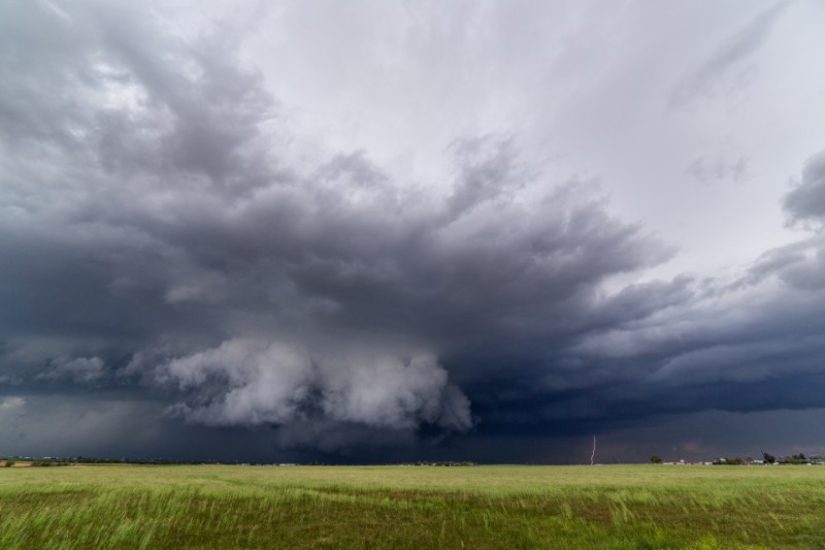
x=157, y=507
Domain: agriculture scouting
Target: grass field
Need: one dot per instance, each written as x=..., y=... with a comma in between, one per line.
x=415, y=507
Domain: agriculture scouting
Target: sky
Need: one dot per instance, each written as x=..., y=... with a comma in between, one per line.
x=395, y=230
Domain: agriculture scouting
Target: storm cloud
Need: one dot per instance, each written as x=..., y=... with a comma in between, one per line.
x=177, y=240
x=806, y=202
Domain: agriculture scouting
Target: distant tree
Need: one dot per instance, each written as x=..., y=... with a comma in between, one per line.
x=769, y=458
x=9, y=463
x=795, y=459
x=655, y=459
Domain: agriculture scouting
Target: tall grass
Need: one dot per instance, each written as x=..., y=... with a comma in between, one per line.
x=157, y=507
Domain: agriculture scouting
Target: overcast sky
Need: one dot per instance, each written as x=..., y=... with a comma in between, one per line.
x=394, y=230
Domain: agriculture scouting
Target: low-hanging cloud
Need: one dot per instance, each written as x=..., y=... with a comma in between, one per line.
x=247, y=382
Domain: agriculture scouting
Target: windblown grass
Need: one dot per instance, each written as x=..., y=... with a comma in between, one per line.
x=157, y=507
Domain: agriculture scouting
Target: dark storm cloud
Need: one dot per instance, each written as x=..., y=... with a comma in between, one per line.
x=150, y=216
x=806, y=202
x=160, y=241
x=742, y=343
x=747, y=344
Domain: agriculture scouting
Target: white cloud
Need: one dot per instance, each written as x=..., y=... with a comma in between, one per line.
x=252, y=382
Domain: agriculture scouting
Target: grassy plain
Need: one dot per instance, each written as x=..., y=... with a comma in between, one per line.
x=415, y=507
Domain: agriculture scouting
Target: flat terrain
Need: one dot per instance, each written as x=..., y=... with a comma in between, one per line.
x=415, y=507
